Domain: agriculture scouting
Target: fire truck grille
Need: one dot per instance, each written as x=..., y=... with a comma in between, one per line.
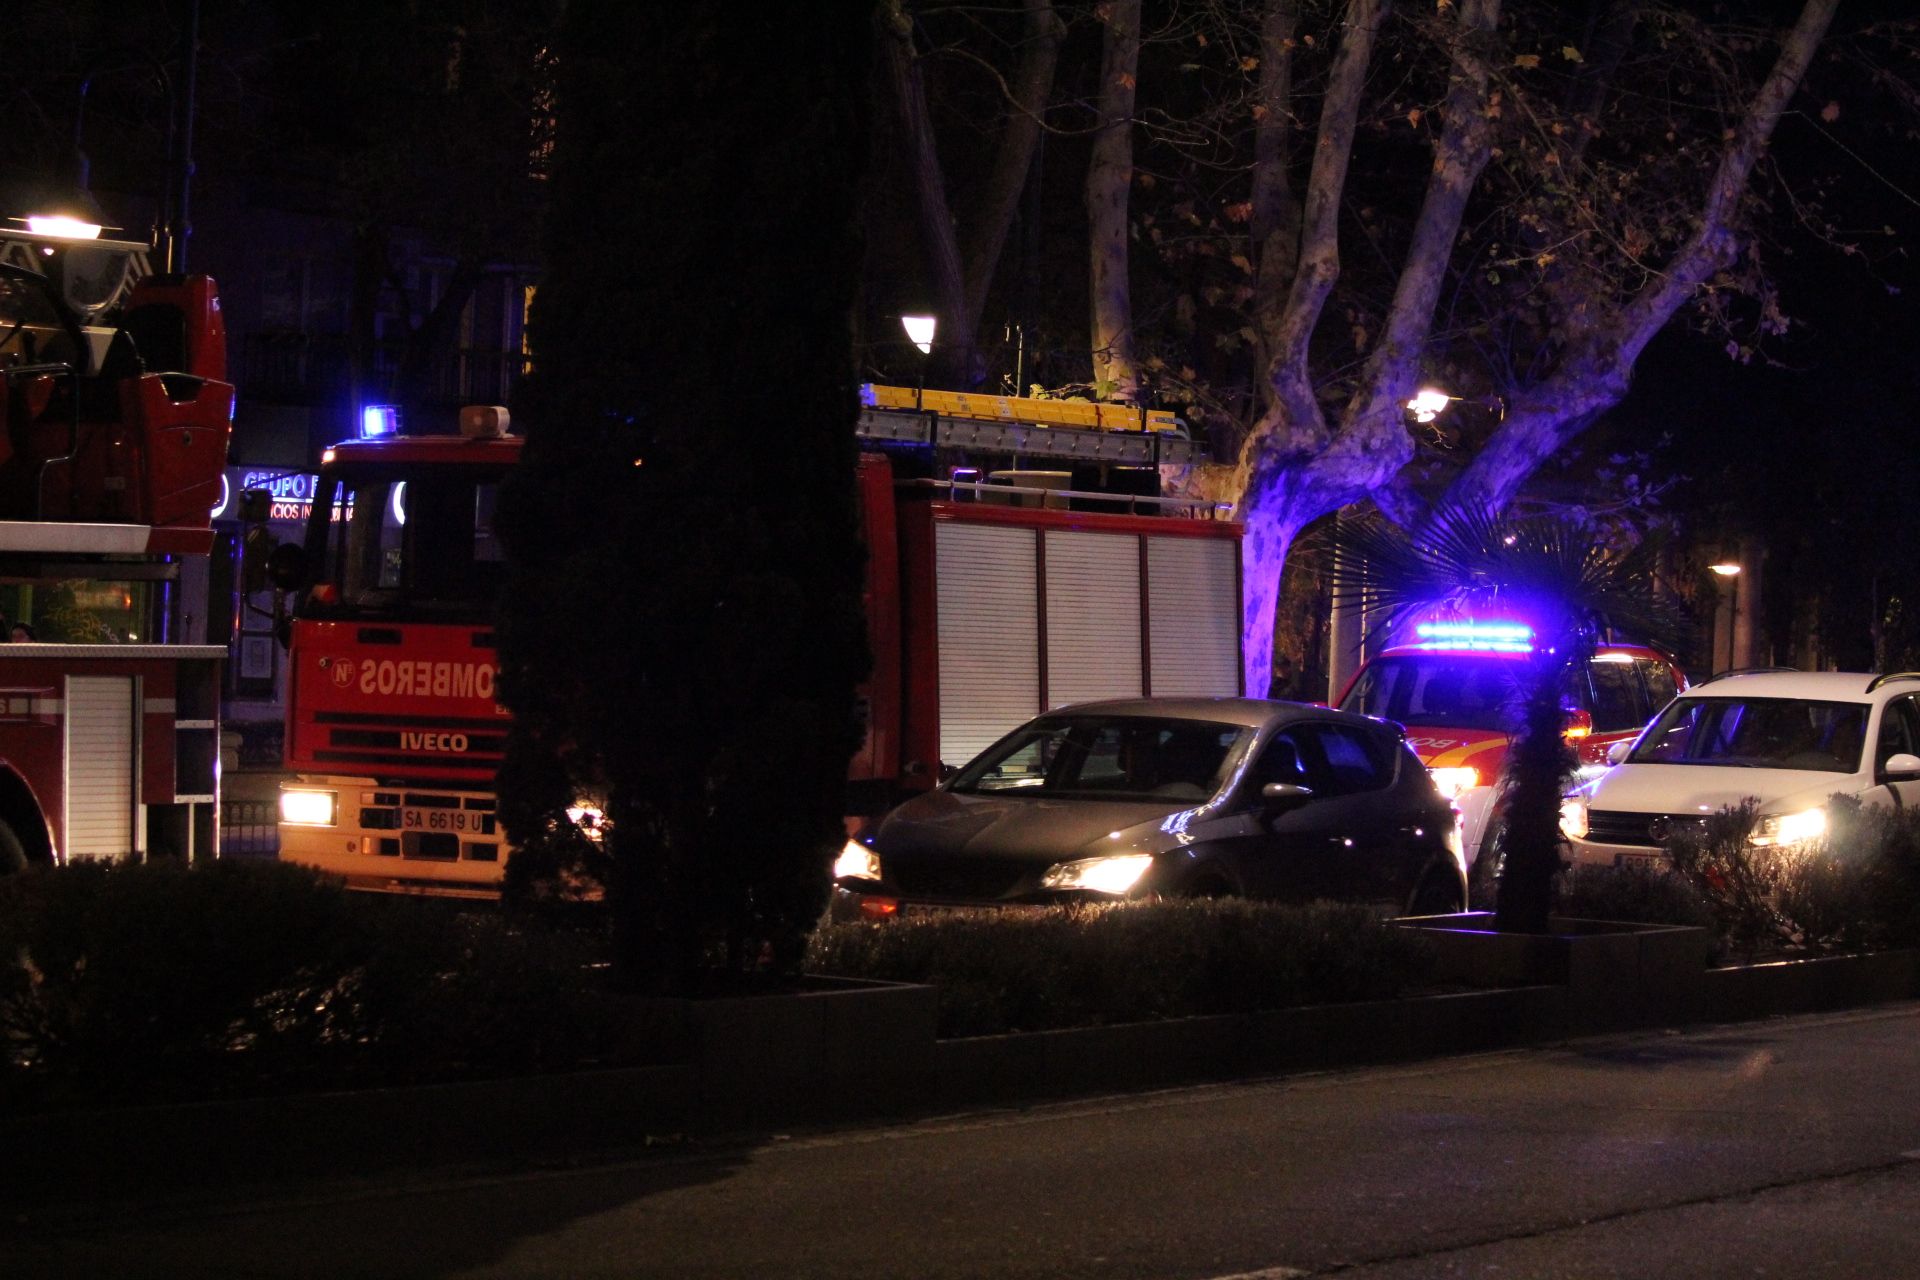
x=370, y=740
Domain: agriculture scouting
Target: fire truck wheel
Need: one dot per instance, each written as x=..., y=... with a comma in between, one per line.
x=13, y=855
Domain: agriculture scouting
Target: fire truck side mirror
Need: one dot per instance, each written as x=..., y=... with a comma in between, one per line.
x=287, y=566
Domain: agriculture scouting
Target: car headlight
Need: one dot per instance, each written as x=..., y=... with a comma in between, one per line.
x=856, y=862
x=1451, y=783
x=1790, y=828
x=1573, y=817
x=1114, y=874
x=309, y=808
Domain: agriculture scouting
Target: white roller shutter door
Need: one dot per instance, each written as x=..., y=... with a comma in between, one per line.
x=100, y=766
x=1193, y=616
x=1093, y=616
x=989, y=642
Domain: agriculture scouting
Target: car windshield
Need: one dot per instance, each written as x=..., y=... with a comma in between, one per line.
x=1108, y=758
x=395, y=542
x=1438, y=689
x=1757, y=733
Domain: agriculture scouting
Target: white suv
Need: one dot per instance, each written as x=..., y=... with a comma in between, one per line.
x=1786, y=740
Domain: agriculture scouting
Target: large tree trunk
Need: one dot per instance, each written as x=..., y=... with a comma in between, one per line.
x=1109, y=182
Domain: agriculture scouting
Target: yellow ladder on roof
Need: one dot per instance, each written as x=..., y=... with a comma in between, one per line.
x=1052, y=413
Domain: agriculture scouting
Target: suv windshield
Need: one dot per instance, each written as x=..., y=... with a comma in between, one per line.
x=1108, y=758
x=1757, y=733
x=1433, y=689
x=395, y=542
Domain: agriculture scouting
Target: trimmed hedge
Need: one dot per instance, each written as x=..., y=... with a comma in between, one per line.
x=1054, y=967
x=135, y=983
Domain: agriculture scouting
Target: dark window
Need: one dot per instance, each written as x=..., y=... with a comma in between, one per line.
x=1757, y=733
x=1280, y=761
x=1107, y=757
x=1617, y=704
x=1342, y=760
x=1899, y=731
x=1438, y=689
x=1660, y=687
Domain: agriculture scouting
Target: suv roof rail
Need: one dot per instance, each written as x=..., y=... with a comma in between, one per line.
x=1890, y=677
x=1746, y=671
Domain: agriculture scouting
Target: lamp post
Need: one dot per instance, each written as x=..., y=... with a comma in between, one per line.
x=920, y=330
x=1729, y=572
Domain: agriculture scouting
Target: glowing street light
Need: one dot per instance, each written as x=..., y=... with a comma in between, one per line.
x=1726, y=569
x=1428, y=403
x=920, y=331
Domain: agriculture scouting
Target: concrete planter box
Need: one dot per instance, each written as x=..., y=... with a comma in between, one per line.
x=1810, y=986
x=841, y=1042
x=1619, y=974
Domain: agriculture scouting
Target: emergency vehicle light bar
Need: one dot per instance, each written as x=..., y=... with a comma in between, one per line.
x=1475, y=637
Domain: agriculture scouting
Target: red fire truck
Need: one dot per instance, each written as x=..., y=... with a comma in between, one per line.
x=990, y=598
x=113, y=434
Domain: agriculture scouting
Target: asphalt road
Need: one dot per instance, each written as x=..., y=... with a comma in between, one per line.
x=1787, y=1148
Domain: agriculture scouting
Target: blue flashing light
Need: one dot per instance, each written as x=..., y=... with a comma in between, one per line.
x=868, y=397
x=1475, y=637
x=377, y=420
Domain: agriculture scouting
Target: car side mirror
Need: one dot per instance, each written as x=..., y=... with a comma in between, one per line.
x=1284, y=795
x=1618, y=752
x=287, y=566
x=1902, y=765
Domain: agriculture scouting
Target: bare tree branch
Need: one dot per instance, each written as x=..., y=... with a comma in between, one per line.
x=1038, y=57
x=1593, y=373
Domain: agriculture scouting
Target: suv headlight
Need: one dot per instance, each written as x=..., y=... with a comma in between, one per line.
x=308, y=808
x=856, y=862
x=1114, y=874
x=1790, y=828
x=1573, y=817
x=1452, y=782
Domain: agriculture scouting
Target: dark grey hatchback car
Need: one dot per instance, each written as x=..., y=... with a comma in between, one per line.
x=1177, y=797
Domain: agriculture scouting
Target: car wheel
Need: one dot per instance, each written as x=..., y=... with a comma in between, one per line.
x=1437, y=894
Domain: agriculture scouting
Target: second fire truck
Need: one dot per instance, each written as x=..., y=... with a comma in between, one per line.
x=990, y=599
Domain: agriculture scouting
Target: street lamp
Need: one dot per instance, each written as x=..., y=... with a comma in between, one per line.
x=920, y=331
x=1729, y=570
x=1430, y=402
x=920, y=334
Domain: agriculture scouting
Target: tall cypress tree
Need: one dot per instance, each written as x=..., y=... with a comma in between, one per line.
x=682, y=630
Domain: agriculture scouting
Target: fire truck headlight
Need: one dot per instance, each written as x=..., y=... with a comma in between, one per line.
x=309, y=808
x=1452, y=782
x=856, y=862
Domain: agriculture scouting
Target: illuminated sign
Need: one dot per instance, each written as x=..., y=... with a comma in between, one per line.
x=291, y=493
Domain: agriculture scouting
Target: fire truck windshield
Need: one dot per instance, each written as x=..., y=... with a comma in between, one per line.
x=399, y=542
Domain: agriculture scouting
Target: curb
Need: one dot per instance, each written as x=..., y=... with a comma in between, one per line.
x=865, y=1051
